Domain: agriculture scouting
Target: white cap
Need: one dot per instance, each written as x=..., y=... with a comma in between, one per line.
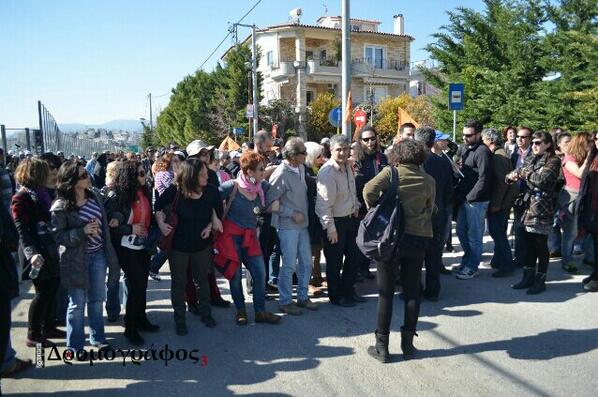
x=197, y=146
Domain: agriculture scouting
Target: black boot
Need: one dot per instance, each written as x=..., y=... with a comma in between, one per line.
x=527, y=280
x=407, y=343
x=132, y=335
x=539, y=284
x=380, y=350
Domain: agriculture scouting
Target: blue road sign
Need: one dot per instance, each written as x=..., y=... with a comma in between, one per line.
x=456, y=96
x=238, y=131
x=334, y=117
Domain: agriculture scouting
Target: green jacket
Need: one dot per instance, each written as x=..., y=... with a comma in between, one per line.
x=417, y=191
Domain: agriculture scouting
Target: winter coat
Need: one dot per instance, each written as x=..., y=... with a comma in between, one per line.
x=67, y=228
x=32, y=221
x=9, y=239
x=540, y=174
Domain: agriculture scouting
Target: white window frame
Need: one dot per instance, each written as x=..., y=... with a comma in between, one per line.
x=270, y=58
x=374, y=47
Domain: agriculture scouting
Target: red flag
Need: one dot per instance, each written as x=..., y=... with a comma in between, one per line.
x=349, y=109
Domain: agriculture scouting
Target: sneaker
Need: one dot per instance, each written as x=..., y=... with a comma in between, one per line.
x=18, y=366
x=591, y=286
x=101, y=345
x=308, y=304
x=133, y=242
x=291, y=309
x=155, y=276
x=500, y=273
x=466, y=274
x=267, y=317
x=181, y=329
x=208, y=321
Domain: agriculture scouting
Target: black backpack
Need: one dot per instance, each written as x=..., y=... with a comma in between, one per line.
x=380, y=229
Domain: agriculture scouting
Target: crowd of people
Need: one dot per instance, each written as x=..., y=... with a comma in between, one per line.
x=78, y=229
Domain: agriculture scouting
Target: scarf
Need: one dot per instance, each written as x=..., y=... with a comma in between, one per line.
x=250, y=187
x=593, y=180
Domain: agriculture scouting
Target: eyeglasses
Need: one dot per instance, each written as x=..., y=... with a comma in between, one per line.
x=537, y=143
x=523, y=136
x=468, y=135
x=84, y=176
x=369, y=139
x=141, y=173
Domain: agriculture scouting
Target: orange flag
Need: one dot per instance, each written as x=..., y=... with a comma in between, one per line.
x=349, y=109
x=404, y=117
x=229, y=144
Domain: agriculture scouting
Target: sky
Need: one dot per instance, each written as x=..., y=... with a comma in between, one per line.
x=93, y=61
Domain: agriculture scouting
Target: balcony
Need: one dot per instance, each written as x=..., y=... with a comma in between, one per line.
x=281, y=70
x=325, y=66
x=380, y=68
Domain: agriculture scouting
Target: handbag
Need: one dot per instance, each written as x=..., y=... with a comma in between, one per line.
x=165, y=243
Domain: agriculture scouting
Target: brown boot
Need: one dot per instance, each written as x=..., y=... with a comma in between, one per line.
x=267, y=317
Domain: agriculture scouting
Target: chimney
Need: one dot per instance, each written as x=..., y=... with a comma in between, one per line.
x=399, y=24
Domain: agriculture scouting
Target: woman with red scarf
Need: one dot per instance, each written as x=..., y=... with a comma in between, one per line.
x=588, y=210
x=130, y=213
x=239, y=243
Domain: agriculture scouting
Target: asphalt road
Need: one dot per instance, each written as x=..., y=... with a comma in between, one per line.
x=482, y=338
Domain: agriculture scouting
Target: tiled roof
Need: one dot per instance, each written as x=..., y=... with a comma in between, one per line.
x=352, y=19
x=298, y=25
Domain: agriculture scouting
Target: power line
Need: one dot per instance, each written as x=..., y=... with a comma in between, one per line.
x=229, y=33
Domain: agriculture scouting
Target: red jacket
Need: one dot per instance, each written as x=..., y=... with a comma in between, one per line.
x=227, y=260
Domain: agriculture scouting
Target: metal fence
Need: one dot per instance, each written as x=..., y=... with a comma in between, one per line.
x=55, y=140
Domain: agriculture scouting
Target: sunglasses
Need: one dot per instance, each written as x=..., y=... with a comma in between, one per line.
x=468, y=135
x=141, y=173
x=372, y=139
x=523, y=136
x=537, y=143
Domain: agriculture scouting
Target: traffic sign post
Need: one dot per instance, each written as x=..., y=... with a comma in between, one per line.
x=456, y=102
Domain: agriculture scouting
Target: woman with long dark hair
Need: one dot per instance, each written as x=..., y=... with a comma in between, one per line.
x=540, y=173
x=129, y=204
x=37, y=248
x=80, y=227
x=195, y=202
x=588, y=210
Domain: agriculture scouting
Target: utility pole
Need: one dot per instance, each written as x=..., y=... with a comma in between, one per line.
x=151, y=118
x=346, y=71
x=253, y=72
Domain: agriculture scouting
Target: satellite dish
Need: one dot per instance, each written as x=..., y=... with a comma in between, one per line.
x=295, y=14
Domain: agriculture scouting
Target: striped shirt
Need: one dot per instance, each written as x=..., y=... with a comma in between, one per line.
x=163, y=180
x=89, y=211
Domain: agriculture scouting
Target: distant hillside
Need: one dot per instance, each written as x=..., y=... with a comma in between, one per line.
x=123, y=125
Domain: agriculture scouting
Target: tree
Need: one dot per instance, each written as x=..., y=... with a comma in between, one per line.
x=317, y=123
x=147, y=137
x=386, y=119
x=278, y=112
x=499, y=54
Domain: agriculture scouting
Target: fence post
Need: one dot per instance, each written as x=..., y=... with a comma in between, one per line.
x=4, y=143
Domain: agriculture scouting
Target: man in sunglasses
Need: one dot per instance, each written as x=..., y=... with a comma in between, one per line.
x=366, y=168
x=522, y=151
x=473, y=196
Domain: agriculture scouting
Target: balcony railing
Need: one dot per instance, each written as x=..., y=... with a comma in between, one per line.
x=383, y=64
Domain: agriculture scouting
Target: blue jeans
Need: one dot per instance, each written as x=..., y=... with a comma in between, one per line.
x=470, y=231
x=295, y=246
x=497, y=227
x=93, y=296
x=275, y=264
x=257, y=269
